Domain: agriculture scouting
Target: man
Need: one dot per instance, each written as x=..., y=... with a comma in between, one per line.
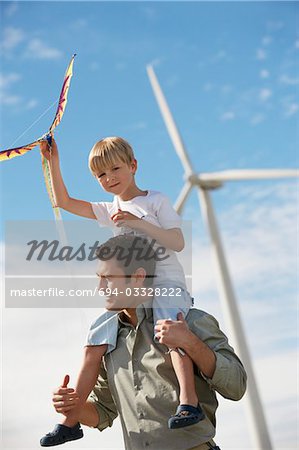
x=136, y=380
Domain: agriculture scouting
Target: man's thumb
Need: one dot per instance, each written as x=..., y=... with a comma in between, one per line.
x=66, y=381
x=180, y=316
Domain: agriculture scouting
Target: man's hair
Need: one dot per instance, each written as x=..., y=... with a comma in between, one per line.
x=131, y=253
x=108, y=152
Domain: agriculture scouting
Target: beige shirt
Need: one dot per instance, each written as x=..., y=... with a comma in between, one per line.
x=138, y=383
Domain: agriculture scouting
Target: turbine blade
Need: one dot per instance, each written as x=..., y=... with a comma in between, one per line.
x=250, y=174
x=169, y=121
x=179, y=204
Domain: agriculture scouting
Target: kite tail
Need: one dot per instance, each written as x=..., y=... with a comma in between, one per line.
x=48, y=182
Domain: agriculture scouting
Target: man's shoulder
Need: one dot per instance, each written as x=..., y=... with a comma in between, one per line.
x=200, y=321
x=198, y=314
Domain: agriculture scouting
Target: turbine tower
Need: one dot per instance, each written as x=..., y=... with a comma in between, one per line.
x=204, y=183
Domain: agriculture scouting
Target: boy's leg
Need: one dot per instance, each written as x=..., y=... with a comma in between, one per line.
x=70, y=428
x=189, y=411
x=183, y=367
x=101, y=339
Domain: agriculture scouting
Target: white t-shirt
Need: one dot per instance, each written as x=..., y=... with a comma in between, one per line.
x=155, y=208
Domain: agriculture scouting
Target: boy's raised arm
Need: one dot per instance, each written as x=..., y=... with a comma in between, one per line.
x=63, y=200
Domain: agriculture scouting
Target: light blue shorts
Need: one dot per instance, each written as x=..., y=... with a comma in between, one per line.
x=104, y=329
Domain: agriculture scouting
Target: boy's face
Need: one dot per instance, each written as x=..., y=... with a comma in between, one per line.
x=118, y=289
x=118, y=178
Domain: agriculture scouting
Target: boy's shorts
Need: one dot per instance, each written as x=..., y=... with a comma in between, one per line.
x=170, y=302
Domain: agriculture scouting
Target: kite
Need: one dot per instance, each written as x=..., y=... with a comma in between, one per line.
x=19, y=151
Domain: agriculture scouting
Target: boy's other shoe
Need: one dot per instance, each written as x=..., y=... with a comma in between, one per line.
x=61, y=434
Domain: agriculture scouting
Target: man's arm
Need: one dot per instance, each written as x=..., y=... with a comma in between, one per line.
x=63, y=200
x=208, y=347
x=98, y=411
x=178, y=334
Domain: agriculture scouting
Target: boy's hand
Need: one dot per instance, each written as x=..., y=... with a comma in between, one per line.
x=65, y=399
x=47, y=151
x=122, y=218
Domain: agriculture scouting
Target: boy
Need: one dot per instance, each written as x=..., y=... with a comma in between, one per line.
x=144, y=213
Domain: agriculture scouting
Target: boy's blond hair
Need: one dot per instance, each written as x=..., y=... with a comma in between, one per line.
x=108, y=152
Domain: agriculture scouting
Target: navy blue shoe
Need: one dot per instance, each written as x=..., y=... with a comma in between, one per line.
x=61, y=434
x=185, y=416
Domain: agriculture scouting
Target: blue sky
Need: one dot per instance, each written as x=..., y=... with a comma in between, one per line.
x=229, y=71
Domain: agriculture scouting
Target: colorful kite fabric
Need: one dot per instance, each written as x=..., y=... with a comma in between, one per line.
x=8, y=154
x=13, y=152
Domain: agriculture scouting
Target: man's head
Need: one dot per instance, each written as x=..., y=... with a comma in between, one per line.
x=126, y=270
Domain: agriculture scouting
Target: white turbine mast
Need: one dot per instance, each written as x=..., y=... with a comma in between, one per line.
x=205, y=182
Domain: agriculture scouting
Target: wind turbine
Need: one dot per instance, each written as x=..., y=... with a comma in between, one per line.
x=204, y=183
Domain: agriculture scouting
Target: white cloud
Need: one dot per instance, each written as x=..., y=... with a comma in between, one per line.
x=257, y=118
x=207, y=87
x=226, y=89
x=280, y=406
x=266, y=40
x=6, y=98
x=264, y=73
x=297, y=43
x=253, y=237
x=291, y=109
x=39, y=50
x=7, y=80
x=32, y=103
x=13, y=100
x=265, y=94
x=11, y=38
x=9, y=99
x=79, y=24
x=228, y=115
x=273, y=25
x=219, y=56
x=149, y=12
x=261, y=54
x=289, y=105
x=286, y=79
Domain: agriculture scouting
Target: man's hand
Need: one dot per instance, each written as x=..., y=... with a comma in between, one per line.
x=65, y=399
x=173, y=333
x=122, y=218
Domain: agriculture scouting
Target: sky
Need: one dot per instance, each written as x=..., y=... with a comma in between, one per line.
x=229, y=71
